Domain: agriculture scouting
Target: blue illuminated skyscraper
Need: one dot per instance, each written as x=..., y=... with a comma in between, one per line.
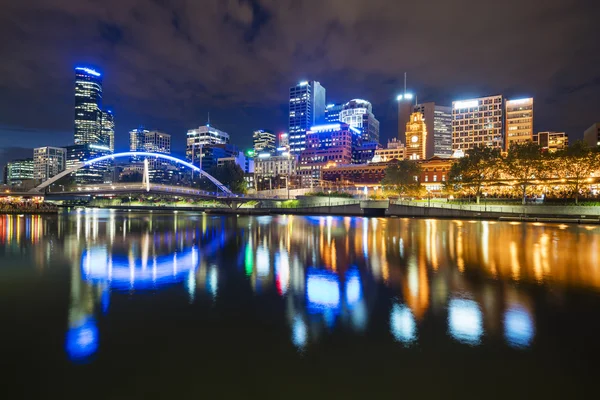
x=307, y=108
x=88, y=106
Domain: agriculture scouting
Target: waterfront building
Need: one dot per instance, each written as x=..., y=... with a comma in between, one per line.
x=395, y=150
x=99, y=172
x=201, y=138
x=137, y=139
x=88, y=106
x=478, y=122
x=551, y=141
x=108, y=130
x=438, y=121
x=416, y=138
x=328, y=144
x=519, y=121
x=18, y=171
x=264, y=141
x=592, y=135
x=332, y=113
x=358, y=113
x=275, y=171
x=306, y=109
x=48, y=162
x=405, y=109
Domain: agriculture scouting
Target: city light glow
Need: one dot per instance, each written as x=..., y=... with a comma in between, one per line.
x=466, y=104
x=465, y=321
x=402, y=324
x=88, y=71
x=518, y=327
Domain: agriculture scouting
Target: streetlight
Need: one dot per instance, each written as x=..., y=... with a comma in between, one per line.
x=330, y=198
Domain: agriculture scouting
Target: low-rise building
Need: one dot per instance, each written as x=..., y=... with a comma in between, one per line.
x=551, y=141
x=395, y=150
x=18, y=171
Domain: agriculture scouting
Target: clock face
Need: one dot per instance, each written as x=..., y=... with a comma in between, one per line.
x=414, y=139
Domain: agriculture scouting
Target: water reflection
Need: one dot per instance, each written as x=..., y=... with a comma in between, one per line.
x=329, y=272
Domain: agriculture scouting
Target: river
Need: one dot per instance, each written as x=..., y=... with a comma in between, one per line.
x=108, y=304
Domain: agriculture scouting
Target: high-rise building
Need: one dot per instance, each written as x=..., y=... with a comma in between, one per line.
x=18, y=171
x=438, y=120
x=478, y=122
x=108, y=130
x=137, y=139
x=201, y=138
x=157, y=142
x=592, y=135
x=48, y=162
x=358, y=113
x=519, y=121
x=88, y=106
x=264, y=141
x=405, y=108
x=332, y=113
x=551, y=141
x=416, y=138
x=98, y=172
x=307, y=108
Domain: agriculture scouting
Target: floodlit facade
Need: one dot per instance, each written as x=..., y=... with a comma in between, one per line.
x=592, y=135
x=395, y=150
x=358, y=113
x=200, y=138
x=306, y=109
x=438, y=120
x=478, y=122
x=157, y=142
x=48, y=162
x=18, y=171
x=264, y=141
x=88, y=106
x=519, y=121
x=108, y=130
x=416, y=138
x=270, y=166
x=551, y=141
x=332, y=113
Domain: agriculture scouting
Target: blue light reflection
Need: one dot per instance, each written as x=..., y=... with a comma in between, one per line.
x=465, y=321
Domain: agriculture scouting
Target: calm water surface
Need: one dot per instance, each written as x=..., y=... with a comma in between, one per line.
x=102, y=304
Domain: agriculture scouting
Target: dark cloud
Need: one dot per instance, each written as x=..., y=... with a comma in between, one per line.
x=168, y=63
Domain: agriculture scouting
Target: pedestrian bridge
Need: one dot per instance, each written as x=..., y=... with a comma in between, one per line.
x=136, y=187
x=146, y=182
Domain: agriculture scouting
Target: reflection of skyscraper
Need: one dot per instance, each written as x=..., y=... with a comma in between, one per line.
x=88, y=103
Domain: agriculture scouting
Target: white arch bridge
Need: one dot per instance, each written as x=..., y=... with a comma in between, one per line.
x=146, y=183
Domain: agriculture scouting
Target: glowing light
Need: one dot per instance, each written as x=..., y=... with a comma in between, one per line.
x=466, y=104
x=518, y=327
x=408, y=96
x=519, y=101
x=299, y=335
x=323, y=291
x=330, y=105
x=82, y=341
x=264, y=155
x=88, y=71
x=465, y=321
x=402, y=324
x=303, y=83
x=98, y=147
x=353, y=288
x=262, y=261
x=326, y=127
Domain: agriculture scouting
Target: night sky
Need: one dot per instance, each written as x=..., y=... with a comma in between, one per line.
x=166, y=64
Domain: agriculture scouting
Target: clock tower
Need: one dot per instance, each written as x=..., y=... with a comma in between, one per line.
x=416, y=137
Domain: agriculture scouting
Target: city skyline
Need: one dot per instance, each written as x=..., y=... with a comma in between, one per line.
x=254, y=63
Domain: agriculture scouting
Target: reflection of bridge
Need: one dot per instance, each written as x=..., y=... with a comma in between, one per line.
x=147, y=183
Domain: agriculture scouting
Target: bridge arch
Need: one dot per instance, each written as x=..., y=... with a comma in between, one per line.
x=80, y=165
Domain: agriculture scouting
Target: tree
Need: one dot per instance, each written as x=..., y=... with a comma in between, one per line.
x=231, y=175
x=576, y=164
x=526, y=163
x=402, y=177
x=478, y=166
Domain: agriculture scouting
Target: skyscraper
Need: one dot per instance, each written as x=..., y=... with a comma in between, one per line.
x=98, y=172
x=438, y=120
x=307, y=108
x=157, y=142
x=478, y=122
x=358, y=113
x=264, y=141
x=108, y=130
x=88, y=106
x=201, y=138
x=405, y=108
x=48, y=162
x=416, y=138
x=519, y=121
x=137, y=139
x=332, y=112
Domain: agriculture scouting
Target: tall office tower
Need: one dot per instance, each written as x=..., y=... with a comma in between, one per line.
x=18, y=171
x=416, y=137
x=405, y=109
x=137, y=139
x=108, y=130
x=519, y=121
x=98, y=172
x=359, y=114
x=307, y=108
x=332, y=112
x=551, y=141
x=157, y=142
x=438, y=120
x=48, y=162
x=264, y=141
x=88, y=106
x=478, y=122
x=592, y=135
x=201, y=138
